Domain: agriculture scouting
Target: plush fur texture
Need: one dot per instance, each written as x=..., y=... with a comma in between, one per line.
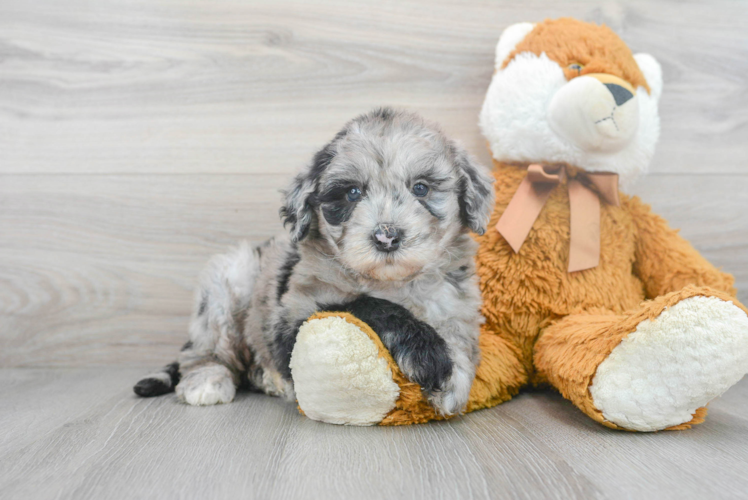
x=318, y=398
x=379, y=225
x=698, y=349
x=417, y=347
x=569, y=41
x=328, y=346
x=571, y=350
x=534, y=87
x=646, y=338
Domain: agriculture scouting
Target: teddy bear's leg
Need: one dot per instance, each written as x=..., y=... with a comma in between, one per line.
x=343, y=374
x=653, y=368
x=500, y=374
x=341, y=371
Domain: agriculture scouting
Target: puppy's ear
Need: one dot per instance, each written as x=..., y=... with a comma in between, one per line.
x=300, y=198
x=476, y=193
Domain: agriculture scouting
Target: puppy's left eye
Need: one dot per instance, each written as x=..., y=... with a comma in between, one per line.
x=354, y=194
x=420, y=189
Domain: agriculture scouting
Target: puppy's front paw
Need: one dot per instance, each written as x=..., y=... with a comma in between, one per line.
x=453, y=398
x=424, y=358
x=207, y=385
x=429, y=367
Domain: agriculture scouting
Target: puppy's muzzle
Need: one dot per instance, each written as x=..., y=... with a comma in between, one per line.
x=386, y=238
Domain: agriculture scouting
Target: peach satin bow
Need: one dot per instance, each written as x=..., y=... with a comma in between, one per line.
x=584, y=204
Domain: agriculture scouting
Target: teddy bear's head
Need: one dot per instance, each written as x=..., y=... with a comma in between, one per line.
x=566, y=91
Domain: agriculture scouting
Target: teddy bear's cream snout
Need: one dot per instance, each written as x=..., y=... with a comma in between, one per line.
x=595, y=112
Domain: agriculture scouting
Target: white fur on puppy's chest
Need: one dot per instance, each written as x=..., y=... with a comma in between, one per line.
x=659, y=375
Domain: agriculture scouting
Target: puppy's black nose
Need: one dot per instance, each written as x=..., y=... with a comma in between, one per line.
x=620, y=94
x=386, y=238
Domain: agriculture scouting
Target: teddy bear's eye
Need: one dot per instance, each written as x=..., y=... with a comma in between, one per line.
x=576, y=67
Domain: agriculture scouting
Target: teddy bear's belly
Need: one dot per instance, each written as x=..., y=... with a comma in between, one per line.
x=524, y=292
x=536, y=285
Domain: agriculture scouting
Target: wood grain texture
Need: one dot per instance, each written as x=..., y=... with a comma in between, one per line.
x=178, y=86
x=138, y=138
x=99, y=269
x=86, y=436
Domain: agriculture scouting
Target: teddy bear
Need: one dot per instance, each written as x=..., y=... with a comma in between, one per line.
x=584, y=288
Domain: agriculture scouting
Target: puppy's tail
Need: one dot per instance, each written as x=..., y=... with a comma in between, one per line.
x=158, y=383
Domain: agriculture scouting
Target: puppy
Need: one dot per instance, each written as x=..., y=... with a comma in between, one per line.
x=379, y=227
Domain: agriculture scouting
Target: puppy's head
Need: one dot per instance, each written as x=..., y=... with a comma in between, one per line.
x=388, y=195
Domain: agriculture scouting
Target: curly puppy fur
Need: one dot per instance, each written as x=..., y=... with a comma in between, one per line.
x=379, y=227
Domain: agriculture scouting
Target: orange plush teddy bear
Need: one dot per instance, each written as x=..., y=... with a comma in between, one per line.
x=584, y=288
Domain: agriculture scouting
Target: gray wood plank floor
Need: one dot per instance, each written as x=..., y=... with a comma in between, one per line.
x=81, y=433
x=138, y=138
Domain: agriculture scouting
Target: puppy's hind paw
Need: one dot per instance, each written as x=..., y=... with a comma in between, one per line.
x=207, y=385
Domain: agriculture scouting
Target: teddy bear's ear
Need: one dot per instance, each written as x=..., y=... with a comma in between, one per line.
x=652, y=73
x=509, y=39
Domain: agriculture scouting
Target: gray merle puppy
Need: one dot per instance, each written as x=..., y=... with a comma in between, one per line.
x=380, y=225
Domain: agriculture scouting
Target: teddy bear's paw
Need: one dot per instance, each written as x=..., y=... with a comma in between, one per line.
x=207, y=385
x=659, y=375
x=338, y=374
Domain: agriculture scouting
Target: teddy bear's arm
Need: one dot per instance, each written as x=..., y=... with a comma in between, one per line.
x=665, y=262
x=421, y=354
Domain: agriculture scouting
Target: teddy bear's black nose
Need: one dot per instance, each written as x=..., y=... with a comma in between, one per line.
x=620, y=94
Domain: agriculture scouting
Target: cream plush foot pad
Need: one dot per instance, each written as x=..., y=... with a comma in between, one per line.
x=339, y=376
x=660, y=374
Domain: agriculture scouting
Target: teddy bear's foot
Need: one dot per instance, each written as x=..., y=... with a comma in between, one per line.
x=339, y=375
x=659, y=375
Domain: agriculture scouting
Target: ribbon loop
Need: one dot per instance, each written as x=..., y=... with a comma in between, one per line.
x=546, y=174
x=607, y=185
x=584, y=205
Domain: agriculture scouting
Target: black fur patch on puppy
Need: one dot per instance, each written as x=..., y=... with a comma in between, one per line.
x=284, y=341
x=457, y=277
x=336, y=208
x=203, y=303
x=431, y=210
x=419, y=351
x=298, y=209
x=150, y=387
x=284, y=275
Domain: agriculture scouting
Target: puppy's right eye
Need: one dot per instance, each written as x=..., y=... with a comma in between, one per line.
x=420, y=190
x=354, y=194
